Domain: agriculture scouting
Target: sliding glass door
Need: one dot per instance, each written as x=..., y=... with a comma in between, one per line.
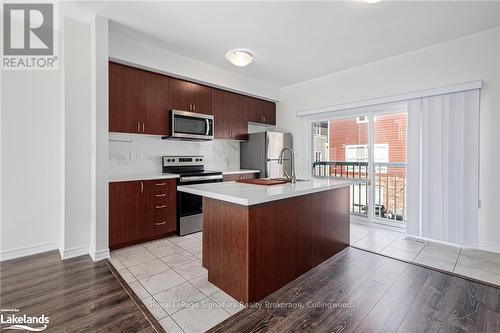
x=370, y=145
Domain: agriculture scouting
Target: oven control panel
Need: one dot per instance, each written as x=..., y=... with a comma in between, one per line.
x=182, y=160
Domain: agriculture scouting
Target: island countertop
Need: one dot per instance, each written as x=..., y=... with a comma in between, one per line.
x=249, y=194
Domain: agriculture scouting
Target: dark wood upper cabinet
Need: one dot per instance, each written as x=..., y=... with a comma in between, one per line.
x=124, y=105
x=189, y=96
x=230, y=115
x=139, y=101
x=155, y=103
x=260, y=111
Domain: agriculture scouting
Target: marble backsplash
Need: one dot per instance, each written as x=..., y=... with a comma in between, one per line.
x=141, y=154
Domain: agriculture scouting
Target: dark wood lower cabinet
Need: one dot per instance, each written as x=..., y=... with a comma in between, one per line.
x=141, y=211
x=252, y=251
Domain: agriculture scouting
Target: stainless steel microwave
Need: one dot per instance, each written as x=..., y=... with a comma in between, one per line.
x=191, y=126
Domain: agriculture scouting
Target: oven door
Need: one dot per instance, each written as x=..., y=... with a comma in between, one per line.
x=189, y=125
x=190, y=208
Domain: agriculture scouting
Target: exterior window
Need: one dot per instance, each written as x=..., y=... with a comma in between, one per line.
x=362, y=119
x=359, y=153
x=317, y=156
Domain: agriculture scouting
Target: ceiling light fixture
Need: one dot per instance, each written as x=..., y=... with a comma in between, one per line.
x=240, y=57
x=372, y=1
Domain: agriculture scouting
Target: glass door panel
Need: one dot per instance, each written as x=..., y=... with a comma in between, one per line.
x=389, y=160
x=340, y=149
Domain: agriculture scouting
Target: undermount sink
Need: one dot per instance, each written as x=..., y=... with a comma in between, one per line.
x=287, y=180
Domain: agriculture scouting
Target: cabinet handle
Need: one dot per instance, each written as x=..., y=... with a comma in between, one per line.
x=194, y=107
x=138, y=127
x=160, y=207
x=142, y=187
x=160, y=195
x=190, y=107
x=161, y=184
x=161, y=223
x=143, y=128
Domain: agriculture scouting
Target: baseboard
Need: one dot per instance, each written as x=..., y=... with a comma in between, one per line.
x=100, y=255
x=74, y=252
x=27, y=251
x=489, y=247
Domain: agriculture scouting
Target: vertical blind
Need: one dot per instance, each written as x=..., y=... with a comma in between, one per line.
x=443, y=167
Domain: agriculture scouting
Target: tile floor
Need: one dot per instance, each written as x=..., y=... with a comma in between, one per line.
x=167, y=276
x=477, y=264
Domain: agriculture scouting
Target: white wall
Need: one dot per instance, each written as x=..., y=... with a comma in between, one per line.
x=150, y=57
x=474, y=57
x=99, y=239
x=76, y=229
x=31, y=162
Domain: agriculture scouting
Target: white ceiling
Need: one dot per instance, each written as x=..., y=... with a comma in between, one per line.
x=296, y=41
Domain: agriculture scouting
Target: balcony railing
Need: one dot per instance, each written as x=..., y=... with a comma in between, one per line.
x=390, y=187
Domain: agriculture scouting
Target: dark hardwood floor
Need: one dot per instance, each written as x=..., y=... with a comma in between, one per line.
x=358, y=291
x=354, y=291
x=77, y=295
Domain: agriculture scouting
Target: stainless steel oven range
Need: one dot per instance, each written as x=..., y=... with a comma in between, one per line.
x=189, y=206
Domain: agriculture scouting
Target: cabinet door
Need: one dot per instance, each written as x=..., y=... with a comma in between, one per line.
x=155, y=103
x=230, y=115
x=202, y=102
x=124, y=106
x=125, y=213
x=161, y=208
x=192, y=97
x=260, y=111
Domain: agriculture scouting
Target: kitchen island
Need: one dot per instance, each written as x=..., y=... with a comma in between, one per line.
x=258, y=238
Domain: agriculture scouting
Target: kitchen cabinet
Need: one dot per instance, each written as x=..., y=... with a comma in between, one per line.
x=260, y=111
x=230, y=115
x=139, y=101
x=189, y=96
x=160, y=207
x=125, y=212
x=141, y=211
x=237, y=176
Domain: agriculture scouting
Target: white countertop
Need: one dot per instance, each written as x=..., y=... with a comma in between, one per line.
x=248, y=194
x=235, y=172
x=126, y=178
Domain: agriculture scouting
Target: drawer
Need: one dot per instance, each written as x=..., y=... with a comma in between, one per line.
x=161, y=226
x=160, y=199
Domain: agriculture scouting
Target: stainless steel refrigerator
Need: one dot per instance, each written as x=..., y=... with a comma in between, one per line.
x=262, y=151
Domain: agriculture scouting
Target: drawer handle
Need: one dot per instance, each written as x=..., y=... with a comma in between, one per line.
x=161, y=223
x=160, y=195
x=161, y=184
x=160, y=207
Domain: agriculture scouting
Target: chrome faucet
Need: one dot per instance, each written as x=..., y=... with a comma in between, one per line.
x=289, y=178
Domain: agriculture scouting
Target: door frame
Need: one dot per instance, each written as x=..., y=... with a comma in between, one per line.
x=371, y=111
